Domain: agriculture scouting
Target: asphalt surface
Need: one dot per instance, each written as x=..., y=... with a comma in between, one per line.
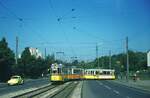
x=109, y=89
x=27, y=85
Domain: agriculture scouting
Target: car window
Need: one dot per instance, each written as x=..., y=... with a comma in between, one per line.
x=14, y=77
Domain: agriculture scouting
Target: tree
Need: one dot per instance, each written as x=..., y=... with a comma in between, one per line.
x=75, y=63
x=28, y=61
x=7, y=59
x=32, y=67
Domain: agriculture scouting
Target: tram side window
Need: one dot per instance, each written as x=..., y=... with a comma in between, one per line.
x=85, y=72
x=65, y=71
x=100, y=73
x=108, y=73
x=77, y=71
x=112, y=73
x=96, y=72
x=104, y=72
x=92, y=72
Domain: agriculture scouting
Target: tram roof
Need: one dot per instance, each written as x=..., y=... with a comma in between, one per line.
x=99, y=69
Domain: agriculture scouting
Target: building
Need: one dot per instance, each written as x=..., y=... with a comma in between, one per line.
x=35, y=52
x=148, y=59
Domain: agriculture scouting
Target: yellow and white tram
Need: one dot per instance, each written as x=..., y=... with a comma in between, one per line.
x=60, y=73
x=99, y=74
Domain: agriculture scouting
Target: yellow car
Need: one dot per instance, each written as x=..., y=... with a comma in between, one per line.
x=14, y=80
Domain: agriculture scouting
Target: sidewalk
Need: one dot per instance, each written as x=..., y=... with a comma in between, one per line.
x=140, y=84
x=77, y=91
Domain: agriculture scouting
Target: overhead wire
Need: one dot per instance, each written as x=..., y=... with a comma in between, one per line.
x=20, y=19
x=59, y=21
x=10, y=12
x=110, y=44
x=75, y=28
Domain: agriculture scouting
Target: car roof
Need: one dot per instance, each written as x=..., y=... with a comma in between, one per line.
x=16, y=76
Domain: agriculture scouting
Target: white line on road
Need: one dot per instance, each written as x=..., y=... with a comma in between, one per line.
x=116, y=92
x=107, y=87
x=100, y=83
x=131, y=87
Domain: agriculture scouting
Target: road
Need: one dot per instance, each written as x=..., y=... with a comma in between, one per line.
x=27, y=85
x=109, y=89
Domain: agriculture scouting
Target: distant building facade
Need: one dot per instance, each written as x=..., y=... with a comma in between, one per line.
x=148, y=58
x=35, y=52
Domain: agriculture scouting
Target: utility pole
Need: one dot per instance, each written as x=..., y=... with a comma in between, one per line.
x=45, y=53
x=127, y=74
x=16, y=50
x=97, y=55
x=109, y=59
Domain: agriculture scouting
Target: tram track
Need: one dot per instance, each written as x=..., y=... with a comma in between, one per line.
x=50, y=91
x=33, y=93
x=65, y=92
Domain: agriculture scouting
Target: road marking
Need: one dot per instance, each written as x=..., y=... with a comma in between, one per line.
x=100, y=83
x=132, y=88
x=116, y=92
x=107, y=87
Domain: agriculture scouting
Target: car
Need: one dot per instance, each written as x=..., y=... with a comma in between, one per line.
x=15, y=80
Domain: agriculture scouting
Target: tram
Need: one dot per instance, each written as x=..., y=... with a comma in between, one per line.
x=61, y=73
x=99, y=74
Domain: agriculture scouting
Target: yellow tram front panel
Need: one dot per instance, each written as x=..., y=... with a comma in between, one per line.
x=57, y=78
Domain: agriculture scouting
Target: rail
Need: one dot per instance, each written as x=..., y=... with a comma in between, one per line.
x=65, y=92
x=51, y=91
x=35, y=92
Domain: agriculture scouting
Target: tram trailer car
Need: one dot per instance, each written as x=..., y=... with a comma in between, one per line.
x=99, y=74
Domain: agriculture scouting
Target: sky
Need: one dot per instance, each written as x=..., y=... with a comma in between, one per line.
x=75, y=27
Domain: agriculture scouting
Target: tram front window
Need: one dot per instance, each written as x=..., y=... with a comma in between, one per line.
x=59, y=70
x=54, y=71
